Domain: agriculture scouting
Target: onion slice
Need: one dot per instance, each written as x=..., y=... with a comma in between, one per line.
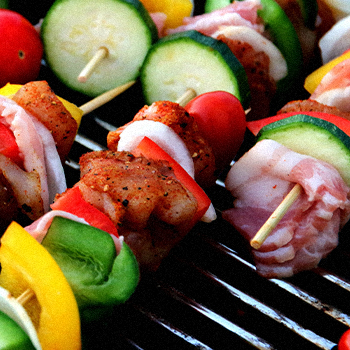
x=12, y=308
x=164, y=136
x=336, y=40
x=278, y=65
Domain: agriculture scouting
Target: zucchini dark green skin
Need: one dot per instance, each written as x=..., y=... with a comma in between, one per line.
x=314, y=137
x=210, y=44
x=87, y=257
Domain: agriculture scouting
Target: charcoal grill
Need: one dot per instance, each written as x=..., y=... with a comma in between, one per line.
x=207, y=295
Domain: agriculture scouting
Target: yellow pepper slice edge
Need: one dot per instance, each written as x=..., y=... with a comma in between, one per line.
x=314, y=79
x=26, y=263
x=10, y=89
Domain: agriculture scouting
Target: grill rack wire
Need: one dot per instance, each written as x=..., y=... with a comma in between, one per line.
x=207, y=295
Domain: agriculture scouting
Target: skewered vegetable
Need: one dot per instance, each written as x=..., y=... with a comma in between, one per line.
x=27, y=265
x=74, y=30
x=179, y=62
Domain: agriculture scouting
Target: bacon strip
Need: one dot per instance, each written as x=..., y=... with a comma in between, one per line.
x=309, y=231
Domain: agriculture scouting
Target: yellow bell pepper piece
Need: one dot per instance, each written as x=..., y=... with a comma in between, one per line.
x=27, y=265
x=175, y=10
x=314, y=79
x=10, y=89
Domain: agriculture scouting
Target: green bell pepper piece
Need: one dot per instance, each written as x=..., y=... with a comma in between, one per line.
x=283, y=34
x=309, y=10
x=99, y=278
x=12, y=336
x=285, y=38
x=212, y=5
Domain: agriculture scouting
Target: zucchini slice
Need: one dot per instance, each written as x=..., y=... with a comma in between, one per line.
x=190, y=59
x=314, y=137
x=73, y=31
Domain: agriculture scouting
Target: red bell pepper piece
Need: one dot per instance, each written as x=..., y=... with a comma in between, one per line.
x=73, y=202
x=8, y=145
x=342, y=123
x=151, y=150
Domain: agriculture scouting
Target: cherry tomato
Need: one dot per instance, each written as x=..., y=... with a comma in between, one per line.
x=344, y=342
x=21, y=49
x=222, y=122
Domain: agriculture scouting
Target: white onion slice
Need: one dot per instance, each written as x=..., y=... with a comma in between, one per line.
x=278, y=65
x=210, y=214
x=12, y=308
x=164, y=136
x=56, y=179
x=29, y=142
x=336, y=40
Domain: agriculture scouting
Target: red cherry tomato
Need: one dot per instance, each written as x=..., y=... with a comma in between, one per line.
x=21, y=49
x=222, y=122
x=344, y=342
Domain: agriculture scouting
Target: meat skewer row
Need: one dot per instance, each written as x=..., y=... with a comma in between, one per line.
x=309, y=229
x=329, y=95
x=272, y=66
x=151, y=196
x=40, y=133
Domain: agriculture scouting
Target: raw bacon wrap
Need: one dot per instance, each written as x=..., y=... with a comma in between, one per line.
x=43, y=175
x=309, y=231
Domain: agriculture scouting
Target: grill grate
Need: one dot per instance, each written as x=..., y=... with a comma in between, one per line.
x=207, y=295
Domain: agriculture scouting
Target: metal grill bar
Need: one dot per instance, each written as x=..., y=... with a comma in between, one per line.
x=213, y=315
x=168, y=326
x=296, y=291
x=210, y=314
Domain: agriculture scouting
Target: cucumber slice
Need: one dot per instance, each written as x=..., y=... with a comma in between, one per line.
x=73, y=31
x=190, y=59
x=314, y=137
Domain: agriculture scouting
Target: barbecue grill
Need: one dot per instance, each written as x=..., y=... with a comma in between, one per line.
x=206, y=293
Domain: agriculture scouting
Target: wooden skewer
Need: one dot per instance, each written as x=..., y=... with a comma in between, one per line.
x=100, y=54
x=25, y=296
x=275, y=217
x=105, y=97
x=186, y=97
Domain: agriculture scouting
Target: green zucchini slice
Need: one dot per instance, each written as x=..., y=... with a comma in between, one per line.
x=314, y=137
x=73, y=31
x=191, y=60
